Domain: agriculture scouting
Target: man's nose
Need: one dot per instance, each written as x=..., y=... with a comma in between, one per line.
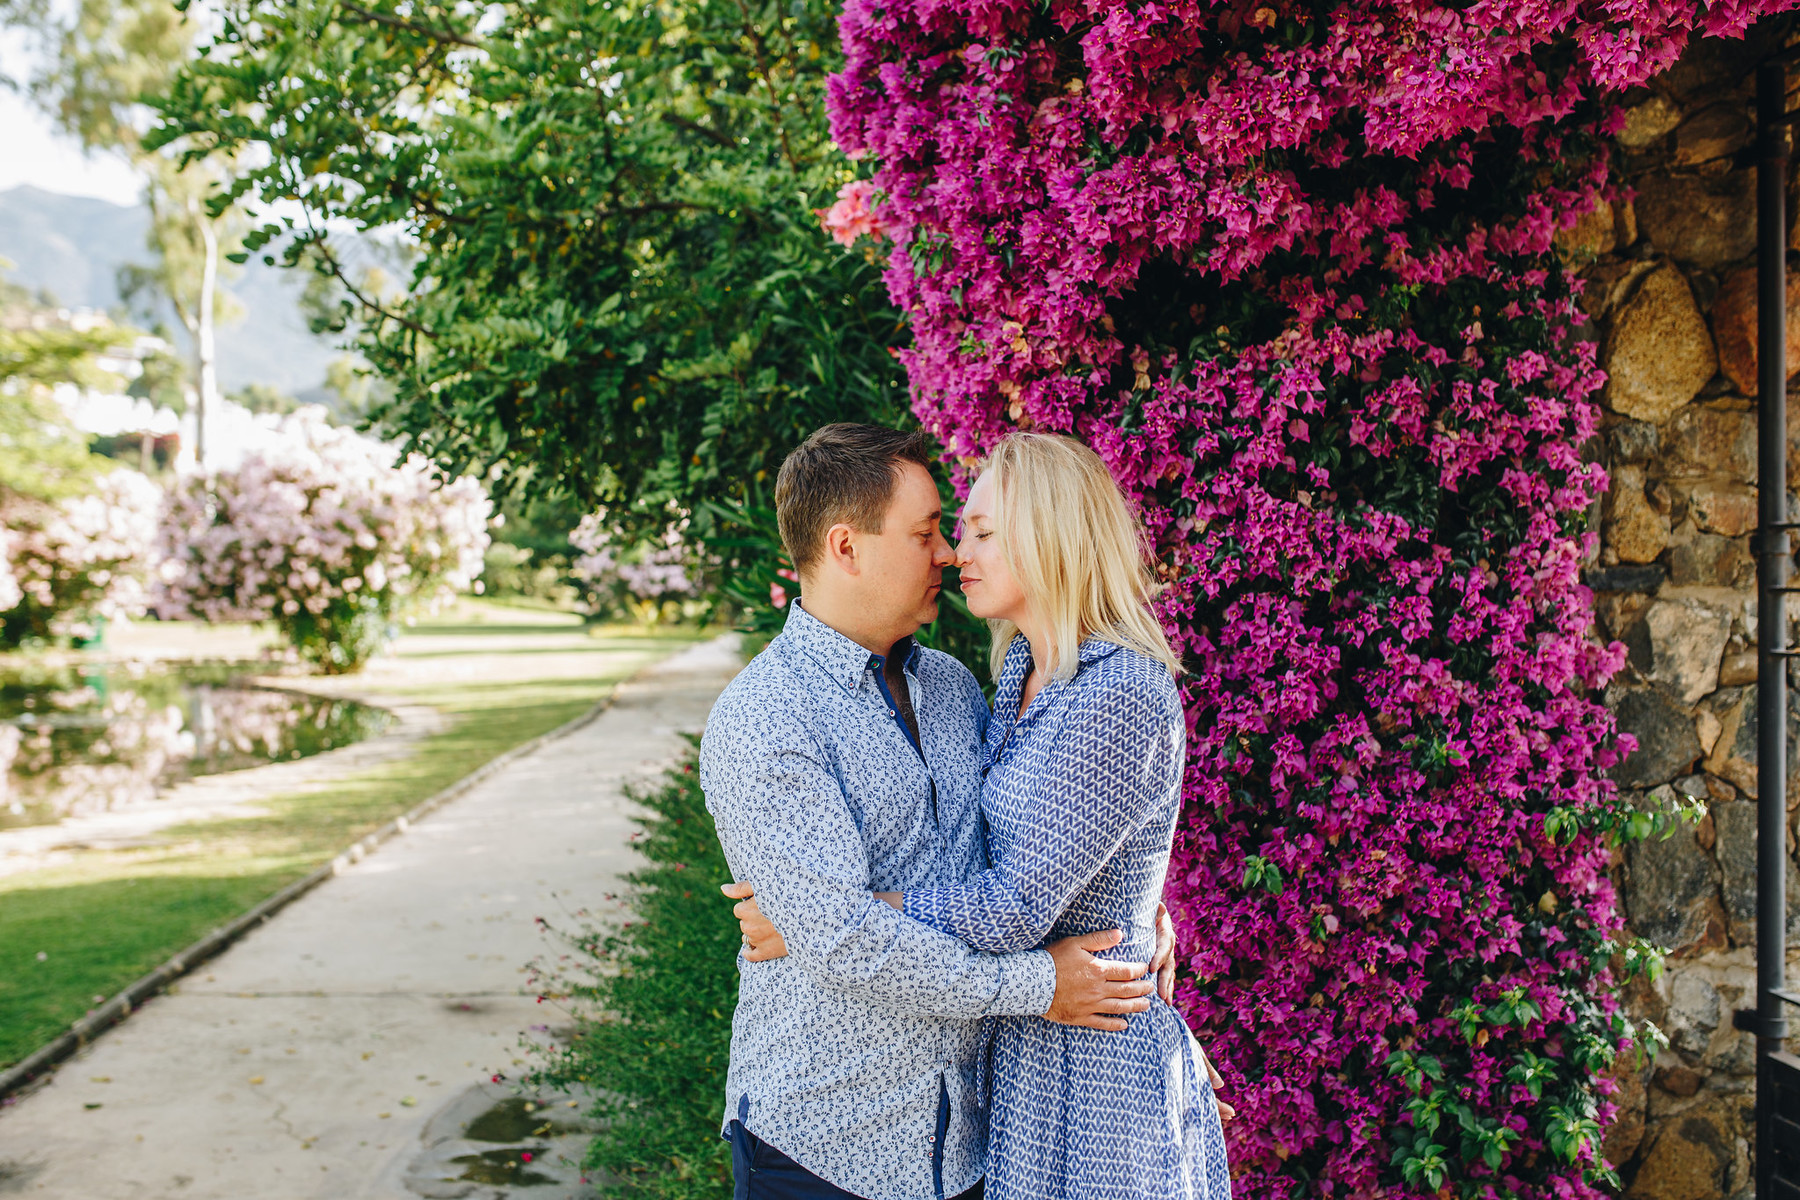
x=944, y=554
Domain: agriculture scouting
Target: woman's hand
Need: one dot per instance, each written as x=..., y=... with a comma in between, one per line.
x=762, y=941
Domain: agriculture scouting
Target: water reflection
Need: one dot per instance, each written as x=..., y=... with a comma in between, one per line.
x=75, y=741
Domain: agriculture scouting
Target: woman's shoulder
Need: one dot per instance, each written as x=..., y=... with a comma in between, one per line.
x=1111, y=673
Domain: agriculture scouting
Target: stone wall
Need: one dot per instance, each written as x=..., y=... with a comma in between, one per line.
x=1671, y=291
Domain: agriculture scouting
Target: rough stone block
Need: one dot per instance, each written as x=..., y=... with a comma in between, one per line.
x=1727, y=509
x=1667, y=743
x=1632, y=441
x=1626, y=1133
x=1679, y=1081
x=1689, y=1157
x=1649, y=122
x=1735, y=670
x=1711, y=134
x=1733, y=756
x=1710, y=222
x=1671, y=889
x=1695, y=1013
x=1660, y=353
x=1734, y=327
x=1635, y=578
x=1598, y=231
x=1708, y=560
x=1687, y=640
x=1635, y=531
x=1736, y=855
x=1710, y=440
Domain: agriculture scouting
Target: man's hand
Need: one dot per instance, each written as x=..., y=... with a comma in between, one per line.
x=762, y=941
x=1092, y=992
x=1163, y=965
x=1226, y=1112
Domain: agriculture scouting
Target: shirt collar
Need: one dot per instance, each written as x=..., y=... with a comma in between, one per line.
x=843, y=659
x=1091, y=649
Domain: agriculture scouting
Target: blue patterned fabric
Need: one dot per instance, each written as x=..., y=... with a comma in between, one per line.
x=1081, y=799
x=844, y=1047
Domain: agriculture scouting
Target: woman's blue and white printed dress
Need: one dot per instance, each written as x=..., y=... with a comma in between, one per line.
x=1080, y=797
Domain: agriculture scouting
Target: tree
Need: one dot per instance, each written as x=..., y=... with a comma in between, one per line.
x=619, y=287
x=76, y=534
x=111, y=56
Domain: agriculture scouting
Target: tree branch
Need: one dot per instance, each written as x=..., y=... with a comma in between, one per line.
x=440, y=35
x=337, y=271
x=712, y=135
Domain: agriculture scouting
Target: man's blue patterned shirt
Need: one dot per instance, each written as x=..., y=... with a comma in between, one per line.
x=842, y=1052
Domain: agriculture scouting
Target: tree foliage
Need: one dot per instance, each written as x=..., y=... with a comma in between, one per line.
x=619, y=287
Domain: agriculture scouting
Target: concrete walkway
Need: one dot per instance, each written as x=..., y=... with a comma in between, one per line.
x=345, y=1049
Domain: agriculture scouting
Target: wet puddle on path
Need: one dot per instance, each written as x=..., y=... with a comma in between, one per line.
x=489, y=1144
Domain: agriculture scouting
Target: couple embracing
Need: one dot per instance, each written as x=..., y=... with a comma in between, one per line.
x=957, y=968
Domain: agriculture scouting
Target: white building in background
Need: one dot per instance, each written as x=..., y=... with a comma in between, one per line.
x=232, y=431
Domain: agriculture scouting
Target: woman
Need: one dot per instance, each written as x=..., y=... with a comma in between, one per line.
x=1082, y=784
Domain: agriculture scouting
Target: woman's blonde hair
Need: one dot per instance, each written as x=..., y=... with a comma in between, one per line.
x=1075, y=548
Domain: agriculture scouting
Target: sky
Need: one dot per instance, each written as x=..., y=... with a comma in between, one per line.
x=37, y=154
x=33, y=152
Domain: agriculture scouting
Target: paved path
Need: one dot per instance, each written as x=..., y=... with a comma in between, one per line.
x=344, y=1049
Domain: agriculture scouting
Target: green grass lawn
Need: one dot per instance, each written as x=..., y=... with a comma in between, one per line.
x=110, y=916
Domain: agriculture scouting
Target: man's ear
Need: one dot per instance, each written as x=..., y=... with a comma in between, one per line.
x=840, y=549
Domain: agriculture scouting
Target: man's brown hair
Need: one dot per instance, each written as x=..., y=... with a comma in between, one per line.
x=842, y=473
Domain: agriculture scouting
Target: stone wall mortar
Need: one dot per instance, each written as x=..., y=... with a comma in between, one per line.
x=1670, y=289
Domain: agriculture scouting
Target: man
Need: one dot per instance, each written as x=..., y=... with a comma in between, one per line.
x=842, y=761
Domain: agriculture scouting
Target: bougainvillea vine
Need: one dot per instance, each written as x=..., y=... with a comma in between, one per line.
x=1292, y=271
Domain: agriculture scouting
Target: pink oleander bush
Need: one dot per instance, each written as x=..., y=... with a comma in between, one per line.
x=332, y=539
x=645, y=581
x=72, y=562
x=1292, y=272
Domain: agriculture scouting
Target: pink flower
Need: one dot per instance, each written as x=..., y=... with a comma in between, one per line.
x=851, y=217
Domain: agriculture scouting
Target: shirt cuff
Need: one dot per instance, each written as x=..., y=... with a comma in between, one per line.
x=1027, y=984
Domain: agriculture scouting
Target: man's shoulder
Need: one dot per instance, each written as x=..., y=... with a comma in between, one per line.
x=769, y=685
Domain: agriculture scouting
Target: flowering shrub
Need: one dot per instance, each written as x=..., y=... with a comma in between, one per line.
x=9, y=582
x=331, y=539
x=641, y=579
x=1291, y=273
x=73, y=560
x=850, y=217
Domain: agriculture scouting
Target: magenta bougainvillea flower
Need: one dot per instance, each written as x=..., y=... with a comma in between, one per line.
x=1292, y=272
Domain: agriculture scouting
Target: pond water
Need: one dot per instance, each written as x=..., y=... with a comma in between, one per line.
x=80, y=740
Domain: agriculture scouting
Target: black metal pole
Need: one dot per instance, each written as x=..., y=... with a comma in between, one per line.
x=1772, y=577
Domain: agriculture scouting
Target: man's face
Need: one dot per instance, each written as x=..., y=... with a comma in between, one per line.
x=902, y=567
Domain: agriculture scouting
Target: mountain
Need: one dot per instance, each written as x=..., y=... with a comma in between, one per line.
x=72, y=247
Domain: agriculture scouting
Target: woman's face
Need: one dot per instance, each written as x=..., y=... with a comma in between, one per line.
x=988, y=586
